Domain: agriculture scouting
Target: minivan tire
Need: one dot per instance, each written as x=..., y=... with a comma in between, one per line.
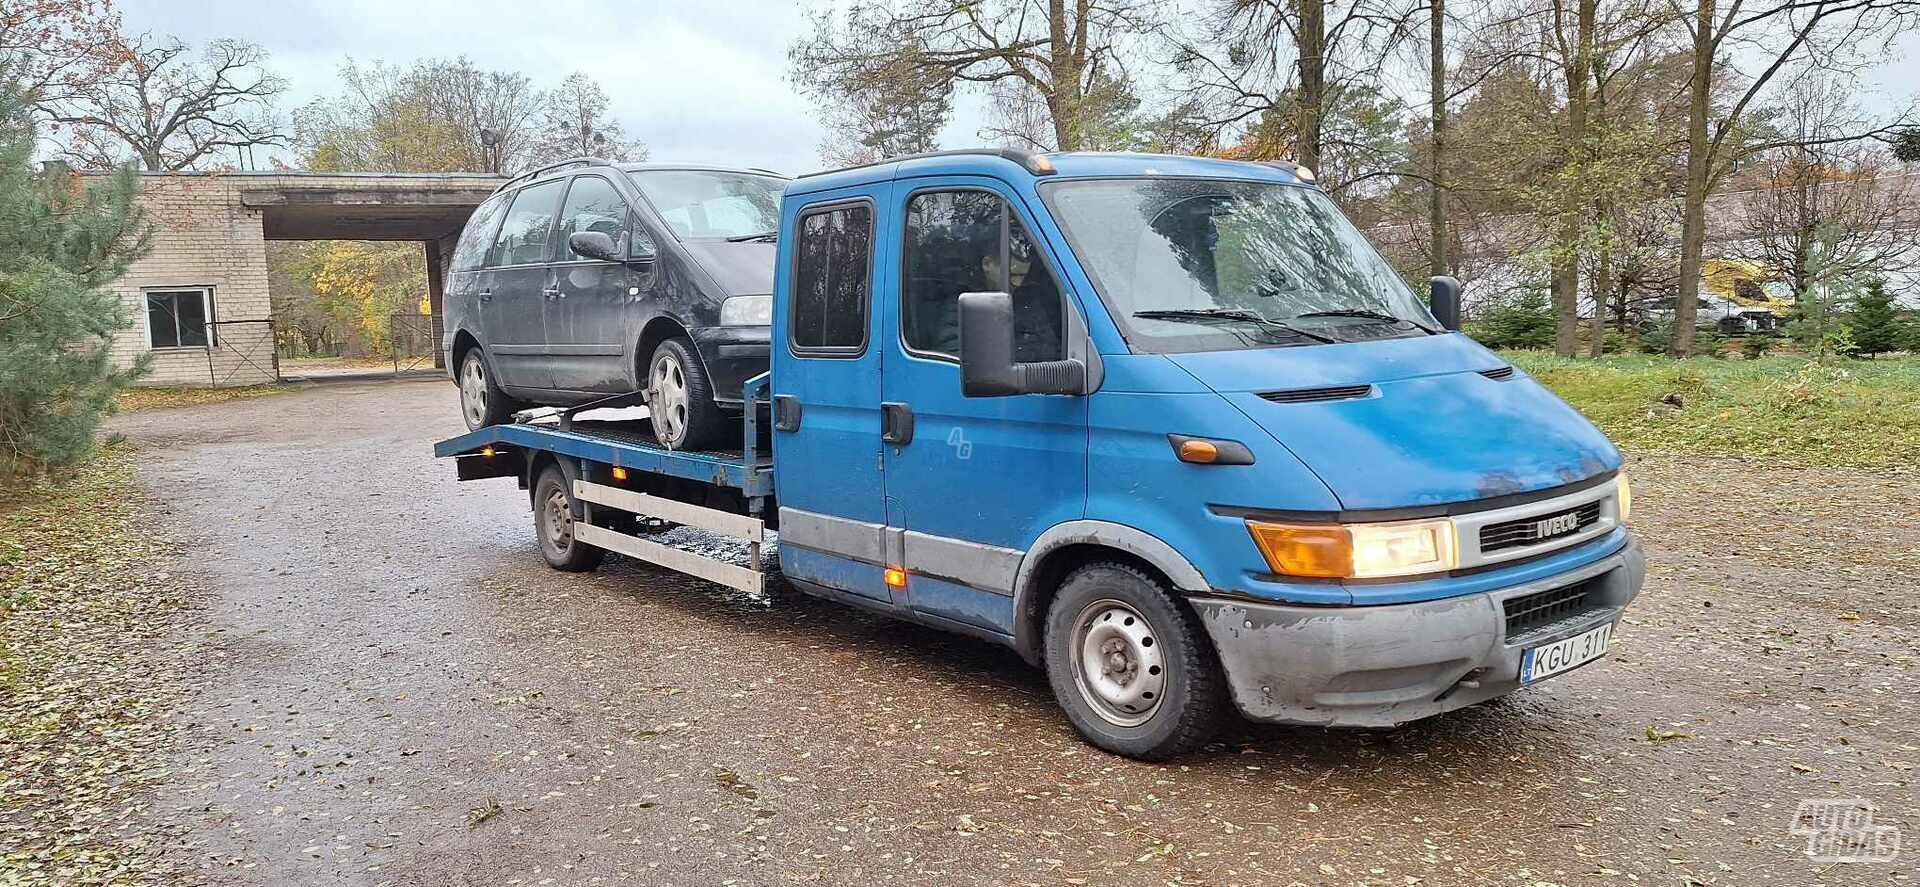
x=680, y=398
x=1156, y=691
x=482, y=403
x=553, y=525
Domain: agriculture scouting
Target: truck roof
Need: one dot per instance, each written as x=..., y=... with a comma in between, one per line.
x=1006, y=163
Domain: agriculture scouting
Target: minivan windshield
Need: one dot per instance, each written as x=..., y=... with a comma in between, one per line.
x=712, y=203
x=1210, y=265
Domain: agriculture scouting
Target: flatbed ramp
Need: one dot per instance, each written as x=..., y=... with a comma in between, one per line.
x=617, y=471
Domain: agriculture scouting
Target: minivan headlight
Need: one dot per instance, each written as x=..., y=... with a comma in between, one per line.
x=1357, y=551
x=747, y=311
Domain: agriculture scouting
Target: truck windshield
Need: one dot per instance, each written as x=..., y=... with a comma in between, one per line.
x=711, y=203
x=1209, y=265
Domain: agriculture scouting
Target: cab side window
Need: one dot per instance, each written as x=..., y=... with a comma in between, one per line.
x=832, y=277
x=594, y=204
x=523, y=236
x=968, y=241
x=478, y=235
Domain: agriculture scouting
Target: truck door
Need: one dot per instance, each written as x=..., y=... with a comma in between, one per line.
x=972, y=482
x=826, y=387
x=586, y=311
x=515, y=296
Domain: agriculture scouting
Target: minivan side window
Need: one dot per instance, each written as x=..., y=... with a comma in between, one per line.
x=967, y=241
x=832, y=277
x=593, y=204
x=523, y=236
x=478, y=235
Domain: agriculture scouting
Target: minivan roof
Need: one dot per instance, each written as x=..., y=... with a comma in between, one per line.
x=1004, y=163
x=570, y=165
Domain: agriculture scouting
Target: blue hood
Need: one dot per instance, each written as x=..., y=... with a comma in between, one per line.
x=1432, y=429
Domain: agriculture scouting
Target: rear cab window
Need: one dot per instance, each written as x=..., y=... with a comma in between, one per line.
x=832, y=280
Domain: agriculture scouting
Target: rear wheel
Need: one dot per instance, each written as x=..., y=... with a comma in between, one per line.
x=680, y=398
x=553, y=522
x=482, y=403
x=1132, y=668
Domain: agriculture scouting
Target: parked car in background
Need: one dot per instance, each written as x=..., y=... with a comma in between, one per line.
x=587, y=279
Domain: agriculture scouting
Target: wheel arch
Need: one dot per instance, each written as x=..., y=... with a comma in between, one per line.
x=1068, y=546
x=463, y=342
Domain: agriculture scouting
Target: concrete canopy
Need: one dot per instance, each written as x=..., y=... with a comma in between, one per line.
x=360, y=206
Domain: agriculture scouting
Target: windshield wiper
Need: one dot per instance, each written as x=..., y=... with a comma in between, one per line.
x=1371, y=314
x=764, y=235
x=1229, y=314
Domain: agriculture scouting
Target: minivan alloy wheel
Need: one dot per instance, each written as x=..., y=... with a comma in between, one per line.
x=667, y=399
x=473, y=390
x=1119, y=669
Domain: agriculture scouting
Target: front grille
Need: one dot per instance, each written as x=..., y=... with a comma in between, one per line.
x=1531, y=611
x=1499, y=374
x=1526, y=530
x=1310, y=395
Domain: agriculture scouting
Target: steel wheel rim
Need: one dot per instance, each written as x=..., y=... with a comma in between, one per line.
x=556, y=517
x=473, y=391
x=1118, y=665
x=668, y=402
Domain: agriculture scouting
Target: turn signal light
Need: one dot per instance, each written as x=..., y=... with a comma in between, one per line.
x=486, y=452
x=1200, y=451
x=619, y=473
x=896, y=577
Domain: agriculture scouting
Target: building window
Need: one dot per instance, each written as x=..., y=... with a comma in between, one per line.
x=178, y=318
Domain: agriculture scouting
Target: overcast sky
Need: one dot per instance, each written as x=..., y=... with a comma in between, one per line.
x=698, y=80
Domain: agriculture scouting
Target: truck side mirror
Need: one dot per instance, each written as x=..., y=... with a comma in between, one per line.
x=1446, y=302
x=987, y=368
x=593, y=245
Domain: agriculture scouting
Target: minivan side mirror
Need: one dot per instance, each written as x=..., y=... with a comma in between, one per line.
x=1446, y=301
x=987, y=367
x=594, y=245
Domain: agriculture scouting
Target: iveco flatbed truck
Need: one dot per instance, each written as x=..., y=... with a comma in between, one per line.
x=1167, y=426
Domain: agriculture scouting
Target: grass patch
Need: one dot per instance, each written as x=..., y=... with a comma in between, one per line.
x=87, y=680
x=1788, y=410
x=134, y=400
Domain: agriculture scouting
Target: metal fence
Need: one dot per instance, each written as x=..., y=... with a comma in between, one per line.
x=242, y=353
x=414, y=340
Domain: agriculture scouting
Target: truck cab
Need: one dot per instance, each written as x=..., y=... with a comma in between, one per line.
x=1172, y=429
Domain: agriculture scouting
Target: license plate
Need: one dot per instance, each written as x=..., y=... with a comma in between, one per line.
x=1548, y=660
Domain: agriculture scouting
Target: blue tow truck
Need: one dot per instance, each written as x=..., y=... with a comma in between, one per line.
x=1167, y=426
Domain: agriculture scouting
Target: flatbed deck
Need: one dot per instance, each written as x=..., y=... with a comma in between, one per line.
x=633, y=446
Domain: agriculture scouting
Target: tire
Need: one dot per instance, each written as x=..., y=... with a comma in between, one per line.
x=1135, y=711
x=680, y=399
x=553, y=525
x=482, y=403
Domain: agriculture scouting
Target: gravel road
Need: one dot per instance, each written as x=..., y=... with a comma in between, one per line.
x=396, y=690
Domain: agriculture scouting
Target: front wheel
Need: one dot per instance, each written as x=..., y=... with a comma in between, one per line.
x=553, y=522
x=680, y=398
x=1130, y=666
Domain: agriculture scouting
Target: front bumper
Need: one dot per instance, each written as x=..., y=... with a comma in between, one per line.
x=733, y=355
x=1386, y=665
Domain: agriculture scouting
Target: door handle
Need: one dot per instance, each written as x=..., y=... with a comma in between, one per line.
x=786, y=412
x=553, y=292
x=896, y=423
x=486, y=295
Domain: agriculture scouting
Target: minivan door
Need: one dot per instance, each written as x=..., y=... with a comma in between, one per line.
x=826, y=387
x=514, y=299
x=973, y=482
x=587, y=311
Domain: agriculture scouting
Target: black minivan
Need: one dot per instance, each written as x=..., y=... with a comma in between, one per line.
x=588, y=278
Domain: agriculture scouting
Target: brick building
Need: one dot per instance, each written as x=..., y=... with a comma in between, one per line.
x=200, y=297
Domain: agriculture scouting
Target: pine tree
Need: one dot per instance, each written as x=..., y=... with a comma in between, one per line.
x=61, y=245
x=1877, y=325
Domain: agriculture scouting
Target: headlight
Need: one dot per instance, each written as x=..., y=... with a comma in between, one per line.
x=747, y=311
x=1357, y=551
x=1623, y=496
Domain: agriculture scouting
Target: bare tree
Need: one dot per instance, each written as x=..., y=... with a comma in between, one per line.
x=168, y=107
x=1773, y=36
x=1826, y=212
x=438, y=116
x=898, y=110
x=576, y=124
x=51, y=45
x=1058, y=49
